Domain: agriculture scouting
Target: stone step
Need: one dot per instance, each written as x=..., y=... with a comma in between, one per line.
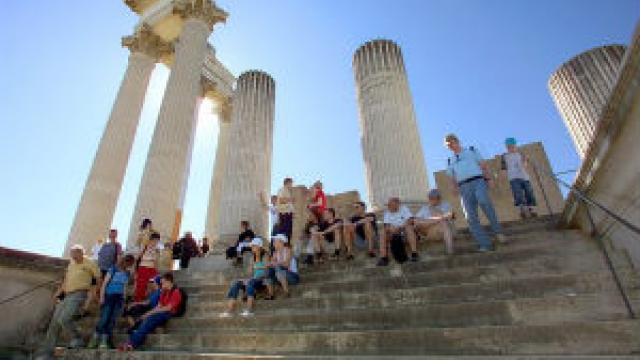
x=521, y=311
x=583, y=338
x=187, y=355
x=400, y=295
x=520, y=251
x=204, y=266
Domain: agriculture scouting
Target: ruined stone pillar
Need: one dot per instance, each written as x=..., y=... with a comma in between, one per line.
x=100, y=196
x=212, y=222
x=163, y=180
x=580, y=89
x=391, y=146
x=248, y=160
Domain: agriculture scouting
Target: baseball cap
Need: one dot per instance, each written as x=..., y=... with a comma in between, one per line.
x=77, y=247
x=510, y=141
x=434, y=194
x=156, y=280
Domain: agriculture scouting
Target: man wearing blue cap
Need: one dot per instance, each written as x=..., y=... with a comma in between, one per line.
x=514, y=163
x=471, y=179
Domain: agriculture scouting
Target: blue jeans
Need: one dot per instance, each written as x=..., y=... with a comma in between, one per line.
x=292, y=278
x=250, y=288
x=109, y=312
x=522, y=192
x=473, y=194
x=148, y=325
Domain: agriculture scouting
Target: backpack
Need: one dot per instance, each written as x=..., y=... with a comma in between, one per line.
x=398, y=250
x=182, y=307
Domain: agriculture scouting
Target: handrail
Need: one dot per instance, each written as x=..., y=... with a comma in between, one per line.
x=594, y=229
x=28, y=291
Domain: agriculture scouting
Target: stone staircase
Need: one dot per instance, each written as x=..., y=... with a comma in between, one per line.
x=546, y=294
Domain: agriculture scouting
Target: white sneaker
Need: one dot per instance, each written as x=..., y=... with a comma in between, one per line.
x=226, y=314
x=246, y=313
x=501, y=239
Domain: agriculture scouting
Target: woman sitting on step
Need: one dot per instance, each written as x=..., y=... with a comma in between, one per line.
x=258, y=266
x=284, y=267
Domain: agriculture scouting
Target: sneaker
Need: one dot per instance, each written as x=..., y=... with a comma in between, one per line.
x=225, y=314
x=104, y=345
x=371, y=254
x=383, y=262
x=336, y=255
x=414, y=257
x=246, y=313
x=75, y=343
x=350, y=257
x=532, y=213
x=308, y=260
x=501, y=239
x=93, y=343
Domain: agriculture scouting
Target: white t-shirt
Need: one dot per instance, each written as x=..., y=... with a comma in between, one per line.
x=273, y=211
x=398, y=218
x=515, y=166
x=94, y=251
x=429, y=211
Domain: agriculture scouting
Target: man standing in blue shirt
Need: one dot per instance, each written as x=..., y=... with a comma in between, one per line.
x=471, y=179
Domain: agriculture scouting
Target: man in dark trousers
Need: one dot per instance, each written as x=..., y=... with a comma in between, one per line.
x=185, y=249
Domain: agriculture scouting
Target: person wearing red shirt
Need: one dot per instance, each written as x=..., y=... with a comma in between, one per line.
x=170, y=299
x=318, y=201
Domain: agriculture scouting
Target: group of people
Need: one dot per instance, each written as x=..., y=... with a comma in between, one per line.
x=156, y=298
x=470, y=180
x=104, y=278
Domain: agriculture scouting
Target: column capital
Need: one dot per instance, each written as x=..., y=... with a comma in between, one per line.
x=208, y=86
x=205, y=10
x=224, y=111
x=145, y=41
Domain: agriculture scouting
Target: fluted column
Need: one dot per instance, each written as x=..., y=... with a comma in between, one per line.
x=165, y=171
x=248, y=160
x=391, y=146
x=100, y=196
x=212, y=222
x=581, y=88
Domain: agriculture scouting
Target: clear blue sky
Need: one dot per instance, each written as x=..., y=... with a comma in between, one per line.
x=477, y=68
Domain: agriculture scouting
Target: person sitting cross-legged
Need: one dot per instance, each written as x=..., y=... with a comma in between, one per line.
x=397, y=222
x=436, y=217
x=361, y=224
x=329, y=229
x=284, y=267
x=170, y=300
x=258, y=267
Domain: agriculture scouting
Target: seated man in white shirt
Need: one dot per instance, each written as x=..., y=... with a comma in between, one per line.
x=436, y=220
x=397, y=221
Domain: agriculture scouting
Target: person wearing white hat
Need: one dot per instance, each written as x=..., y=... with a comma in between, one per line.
x=258, y=267
x=436, y=220
x=284, y=267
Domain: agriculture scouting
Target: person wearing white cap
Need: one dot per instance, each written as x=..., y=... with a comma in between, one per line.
x=284, y=267
x=436, y=217
x=79, y=279
x=258, y=267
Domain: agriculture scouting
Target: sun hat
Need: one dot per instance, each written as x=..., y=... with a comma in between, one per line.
x=77, y=247
x=256, y=241
x=280, y=237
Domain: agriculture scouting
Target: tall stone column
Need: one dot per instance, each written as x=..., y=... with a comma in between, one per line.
x=581, y=88
x=164, y=176
x=212, y=222
x=248, y=160
x=100, y=196
x=391, y=146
